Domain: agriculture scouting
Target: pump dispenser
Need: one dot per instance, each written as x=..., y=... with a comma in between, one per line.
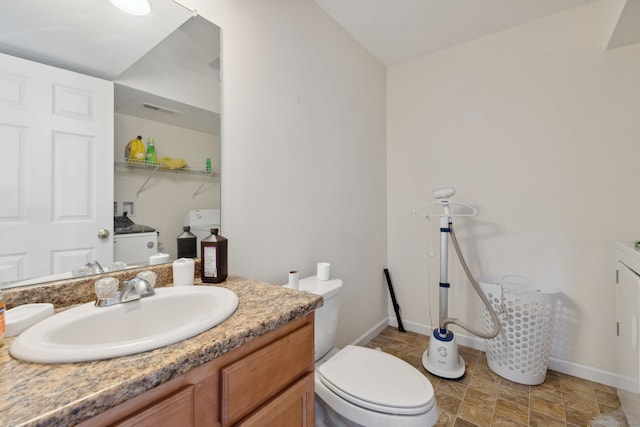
x=213, y=265
x=187, y=244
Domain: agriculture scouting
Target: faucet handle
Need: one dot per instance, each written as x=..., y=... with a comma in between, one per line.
x=106, y=287
x=148, y=276
x=135, y=289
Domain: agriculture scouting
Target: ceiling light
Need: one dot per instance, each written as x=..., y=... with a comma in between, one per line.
x=133, y=7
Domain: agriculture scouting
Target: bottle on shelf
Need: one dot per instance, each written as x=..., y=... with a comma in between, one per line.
x=151, y=152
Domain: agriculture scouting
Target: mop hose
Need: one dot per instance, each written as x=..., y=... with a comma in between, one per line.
x=494, y=317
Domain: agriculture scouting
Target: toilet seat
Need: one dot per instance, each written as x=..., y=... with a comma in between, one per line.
x=377, y=381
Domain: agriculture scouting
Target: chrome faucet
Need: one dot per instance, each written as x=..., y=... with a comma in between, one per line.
x=134, y=289
x=95, y=265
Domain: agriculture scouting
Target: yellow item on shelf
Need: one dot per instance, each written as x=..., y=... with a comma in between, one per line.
x=172, y=163
x=137, y=151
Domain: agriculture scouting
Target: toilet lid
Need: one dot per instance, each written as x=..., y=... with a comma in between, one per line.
x=376, y=380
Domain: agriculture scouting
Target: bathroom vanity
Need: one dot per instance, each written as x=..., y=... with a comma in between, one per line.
x=256, y=368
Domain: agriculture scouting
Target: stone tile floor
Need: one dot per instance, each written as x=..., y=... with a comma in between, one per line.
x=483, y=398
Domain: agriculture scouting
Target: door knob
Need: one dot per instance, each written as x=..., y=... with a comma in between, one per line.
x=103, y=233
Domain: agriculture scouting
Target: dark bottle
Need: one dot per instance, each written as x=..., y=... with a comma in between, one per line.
x=187, y=244
x=213, y=253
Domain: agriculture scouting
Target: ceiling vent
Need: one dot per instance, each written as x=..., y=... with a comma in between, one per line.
x=160, y=108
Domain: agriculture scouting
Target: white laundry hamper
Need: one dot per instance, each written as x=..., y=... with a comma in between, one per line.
x=520, y=351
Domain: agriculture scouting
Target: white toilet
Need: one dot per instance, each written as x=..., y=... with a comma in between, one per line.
x=359, y=386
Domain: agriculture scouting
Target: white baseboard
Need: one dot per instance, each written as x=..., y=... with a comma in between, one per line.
x=555, y=364
x=584, y=372
x=371, y=333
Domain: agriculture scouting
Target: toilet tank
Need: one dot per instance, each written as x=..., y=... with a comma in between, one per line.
x=326, y=317
x=201, y=222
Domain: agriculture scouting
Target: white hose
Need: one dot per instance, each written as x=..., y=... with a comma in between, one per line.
x=494, y=317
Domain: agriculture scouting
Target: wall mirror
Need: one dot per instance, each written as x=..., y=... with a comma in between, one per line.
x=163, y=74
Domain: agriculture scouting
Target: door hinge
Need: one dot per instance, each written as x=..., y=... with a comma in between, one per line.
x=617, y=276
x=617, y=329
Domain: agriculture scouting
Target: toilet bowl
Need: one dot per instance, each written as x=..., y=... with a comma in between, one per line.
x=358, y=386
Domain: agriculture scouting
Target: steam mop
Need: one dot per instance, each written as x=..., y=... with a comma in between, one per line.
x=441, y=357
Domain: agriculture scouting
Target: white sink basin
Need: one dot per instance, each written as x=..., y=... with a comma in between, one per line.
x=87, y=332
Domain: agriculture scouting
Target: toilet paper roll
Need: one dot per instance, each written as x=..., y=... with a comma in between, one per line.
x=324, y=268
x=294, y=277
x=183, y=272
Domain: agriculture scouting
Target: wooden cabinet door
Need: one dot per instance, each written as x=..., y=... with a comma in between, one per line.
x=294, y=407
x=253, y=380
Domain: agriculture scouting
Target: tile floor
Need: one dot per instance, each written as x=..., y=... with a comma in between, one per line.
x=483, y=398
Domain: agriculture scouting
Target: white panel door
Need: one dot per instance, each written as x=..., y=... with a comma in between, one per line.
x=56, y=183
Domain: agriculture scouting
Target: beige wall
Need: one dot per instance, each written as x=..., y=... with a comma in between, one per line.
x=167, y=197
x=538, y=127
x=303, y=152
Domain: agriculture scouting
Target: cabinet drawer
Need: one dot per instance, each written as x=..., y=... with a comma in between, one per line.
x=173, y=410
x=256, y=378
x=294, y=407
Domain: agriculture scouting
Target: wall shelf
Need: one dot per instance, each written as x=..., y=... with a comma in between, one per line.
x=152, y=168
x=144, y=165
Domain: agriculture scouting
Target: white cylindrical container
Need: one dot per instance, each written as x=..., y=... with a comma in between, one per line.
x=294, y=277
x=159, y=258
x=324, y=269
x=183, y=272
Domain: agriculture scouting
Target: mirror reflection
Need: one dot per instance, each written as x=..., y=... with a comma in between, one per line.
x=74, y=201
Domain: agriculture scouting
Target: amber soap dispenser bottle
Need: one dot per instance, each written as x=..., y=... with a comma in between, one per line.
x=213, y=251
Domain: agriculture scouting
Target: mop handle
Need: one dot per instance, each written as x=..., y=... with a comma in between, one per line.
x=396, y=306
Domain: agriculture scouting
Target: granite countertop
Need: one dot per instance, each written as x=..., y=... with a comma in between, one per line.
x=66, y=394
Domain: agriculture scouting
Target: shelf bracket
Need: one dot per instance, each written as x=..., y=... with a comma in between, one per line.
x=147, y=180
x=195, y=193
